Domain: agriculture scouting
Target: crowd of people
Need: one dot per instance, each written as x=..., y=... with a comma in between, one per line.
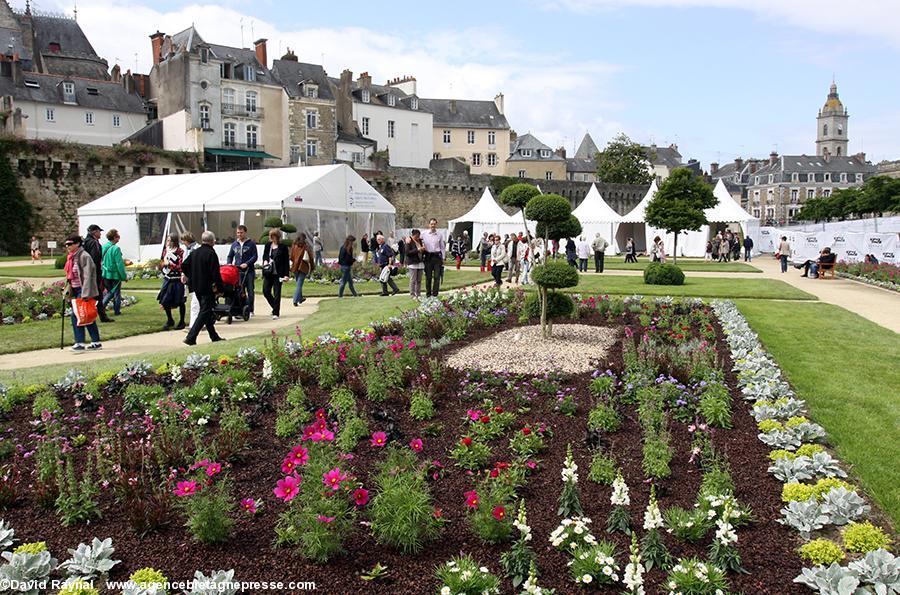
x=726, y=247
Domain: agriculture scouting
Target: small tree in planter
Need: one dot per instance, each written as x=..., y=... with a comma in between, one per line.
x=679, y=203
x=275, y=222
x=553, y=214
x=517, y=196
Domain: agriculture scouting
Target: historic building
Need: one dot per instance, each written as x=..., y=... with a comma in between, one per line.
x=583, y=166
x=472, y=131
x=530, y=158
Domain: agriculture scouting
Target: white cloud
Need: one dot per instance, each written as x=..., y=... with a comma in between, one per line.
x=549, y=94
x=866, y=18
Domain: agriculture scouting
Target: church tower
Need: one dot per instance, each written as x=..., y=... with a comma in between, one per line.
x=831, y=135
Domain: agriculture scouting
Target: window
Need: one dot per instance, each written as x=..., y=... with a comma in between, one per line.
x=225, y=70
x=771, y=178
x=435, y=156
x=476, y=159
x=795, y=195
x=492, y=138
x=357, y=157
x=525, y=152
x=826, y=192
x=229, y=134
x=470, y=137
x=249, y=72
x=50, y=114
x=545, y=153
x=795, y=177
x=391, y=127
x=838, y=151
x=89, y=118
x=312, y=119
x=204, y=55
x=548, y=175
x=312, y=91
x=366, y=95
x=859, y=178
x=521, y=173
x=825, y=130
x=756, y=196
x=295, y=154
x=810, y=193
x=250, y=99
x=117, y=120
x=843, y=178
x=811, y=178
x=228, y=98
x=32, y=84
x=446, y=137
x=68, y=92
x=312, y=148
x=414, y=103
x=840, y=130
x=770, y=212
x=204, y=85
x=392, y=101
x=365, y=127
x=492, y=159
x=204, y=116
x=252, y=136
x=756, y=212
x=757, y=180
x=827, y=176
x=55, y=47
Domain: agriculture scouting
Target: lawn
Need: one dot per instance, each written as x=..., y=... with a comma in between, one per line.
x=32, y=270
x=333, y=316
x=615, y=263
x=708, y=287
x=844, y=366
x=5, y=280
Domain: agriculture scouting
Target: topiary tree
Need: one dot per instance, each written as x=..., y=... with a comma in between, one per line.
x=679, y=203
x=275, y=222
x=517, y=196
x=553, y=214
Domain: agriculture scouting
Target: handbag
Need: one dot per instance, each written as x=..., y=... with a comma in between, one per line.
x=268, y=269
x=777, y=255
x=395, y=271
x=85, y=311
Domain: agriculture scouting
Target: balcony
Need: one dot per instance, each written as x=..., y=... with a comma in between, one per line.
x=240, y=109
x=242, y=146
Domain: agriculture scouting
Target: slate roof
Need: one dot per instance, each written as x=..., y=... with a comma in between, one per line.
x=667, y=156
x=110, y=96
x=190, y=40
x=352, y=138
x=12, y=37
x=587, y=149
x=466, y=113
x=290, y=74
x=76, y=55
x=579, y=165
x=529, y=141
x=804, y=164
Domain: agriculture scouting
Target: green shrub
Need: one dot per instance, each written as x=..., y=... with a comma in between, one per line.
x=208, y=513
x=60, y=262
x=290, y=421
x=687, y=525
x=695, y=577
x=376, y=385
x=602, y=386
x=548, y=207
x=559, y=305
x=296, y=396
x=352, y=430
x=343, y=402
x=421, y=407
x=715, y=405
x=140, y=397
x=402, y=512
x=796, y=492
x=150, y=577
x=865, y=537
x=821, y=552
x=603, y=469
x=472, y=456
x=555, y=274
x=76, y=502
x=660, y=273
x=604, y=417
x=657, y=456
x=44, y=402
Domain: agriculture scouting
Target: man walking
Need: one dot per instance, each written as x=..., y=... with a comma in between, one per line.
x=512, y=258
x=384, y=257
x=92, y=246
x=243, y=255
x=748, y=248
x=434, y=243
x=319, y=248
x=599, y=246
x=201, y=269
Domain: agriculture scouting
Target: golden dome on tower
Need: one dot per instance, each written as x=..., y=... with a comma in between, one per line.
x=833, y=103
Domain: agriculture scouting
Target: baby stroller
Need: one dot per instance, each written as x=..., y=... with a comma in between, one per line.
x=233, y=301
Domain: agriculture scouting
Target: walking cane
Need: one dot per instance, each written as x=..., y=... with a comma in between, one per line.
x=62, y=316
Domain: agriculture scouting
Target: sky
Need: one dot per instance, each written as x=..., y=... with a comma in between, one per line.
x=719, y=78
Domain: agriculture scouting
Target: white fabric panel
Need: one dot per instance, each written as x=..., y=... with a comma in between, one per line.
x=875, y=225
x=767, y=239
x=884, y=246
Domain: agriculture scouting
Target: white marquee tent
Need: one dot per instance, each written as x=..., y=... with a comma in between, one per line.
x=597, y=217
x=631, y=225
x=332, y=199
x=485, y=216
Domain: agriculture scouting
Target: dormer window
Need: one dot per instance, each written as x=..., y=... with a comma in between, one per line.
x=225, y=70
x=32, y=84
x=54, y=47
x=414, y=103
x=312, y=91
x=249, y=72
x=525, y=152
x=204, y=55
x=545, y=153
x=391, y=100
x=366, y=96
x=92, y=91
x=68, y=89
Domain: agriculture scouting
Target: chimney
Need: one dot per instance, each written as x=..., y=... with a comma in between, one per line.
x=344, y=103
x=452, y=106
x=365, y=81
x=290, y=56
x=116, y=74
x=260, y=45
x=861, y=157
x=128, y=82
x=513, y=135
x=17, y=77
x=561, y=152
x=156, y=41
x=713, y=168
x=773, y=157
x=674, y=147
x=405, y=83
x=498, y=101
x=754, y=165
x=738, y=165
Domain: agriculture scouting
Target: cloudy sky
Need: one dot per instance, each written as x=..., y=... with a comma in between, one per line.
x=721, y=78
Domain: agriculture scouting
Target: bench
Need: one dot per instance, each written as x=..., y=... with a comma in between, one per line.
x=826, y=268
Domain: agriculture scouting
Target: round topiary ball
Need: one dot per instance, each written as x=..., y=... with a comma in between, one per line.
x=548, y=208
x=559, y=305
x=273, y=221
x=570, y=227
x=518, y=195
x=289, y=228
x=555, y=274
x=663, y=273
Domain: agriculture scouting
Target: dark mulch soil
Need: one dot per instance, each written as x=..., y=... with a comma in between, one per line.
x=766, y=547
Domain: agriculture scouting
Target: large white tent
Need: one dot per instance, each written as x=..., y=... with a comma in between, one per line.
x=485, y=216
x=597, y=217
x=631, y=225
x=331, y=199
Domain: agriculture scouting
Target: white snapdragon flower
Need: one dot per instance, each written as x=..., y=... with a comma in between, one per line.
x=267, y=369
x=620, y=495
x=652, y=516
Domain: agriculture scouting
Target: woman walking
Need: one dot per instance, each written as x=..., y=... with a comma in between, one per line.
x=662, y=250
x=484, y=250
x=81, y=278
x=302, y=264
x=499, y=258
x=784, y=252
x=524, y=255
x=190, y=244
x=415, y=262
x=364, y=246
x=113, y=266
x=630, y=251
x=457, y=250
x=171, y=294
x=276, y=269
x=345, y=261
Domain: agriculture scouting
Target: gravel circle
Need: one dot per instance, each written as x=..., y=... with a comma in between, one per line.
x=573, y=349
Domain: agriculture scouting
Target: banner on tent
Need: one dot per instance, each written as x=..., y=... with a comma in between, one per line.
x=767, y=240
x=883, y=246
x=361, y=198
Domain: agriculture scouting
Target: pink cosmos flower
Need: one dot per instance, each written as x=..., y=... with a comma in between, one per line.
x=186, y=488
x=300, y=455
x=287, y=488
x=325, y=519
x=499, y=513
x=474, y=414
x=249, y=505
x=288, y=465
x=213, y=469
x=361, y=496
x=531, y=465
x=379, y=439
x=333, y=478
x=416, y=444
x=471, y=499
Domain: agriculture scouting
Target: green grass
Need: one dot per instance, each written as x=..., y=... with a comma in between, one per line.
x=844, y=367
x=333, y=316
x=5, y=280
x=615, y=263
x=15, y=258
x=707, y=287
x=143, y=317
x=33, y=270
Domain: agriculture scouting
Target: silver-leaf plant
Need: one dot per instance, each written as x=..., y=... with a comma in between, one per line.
x=90, y=561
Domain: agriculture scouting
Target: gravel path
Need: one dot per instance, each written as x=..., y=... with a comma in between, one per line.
x=573, y=349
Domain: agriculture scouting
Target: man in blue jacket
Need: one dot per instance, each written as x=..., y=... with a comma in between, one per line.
x=243, y=255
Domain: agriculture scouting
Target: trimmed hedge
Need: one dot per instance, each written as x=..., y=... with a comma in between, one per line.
x=555, y=274
x=559, y=305
x=660, y=273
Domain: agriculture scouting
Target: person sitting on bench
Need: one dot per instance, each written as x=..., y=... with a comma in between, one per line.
x=826, y=261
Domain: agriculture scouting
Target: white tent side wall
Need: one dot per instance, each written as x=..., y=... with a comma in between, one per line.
x=597, y=217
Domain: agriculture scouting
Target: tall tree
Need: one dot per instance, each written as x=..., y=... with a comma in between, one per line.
x=517, y=196
x=679, y=203
x=623, y=161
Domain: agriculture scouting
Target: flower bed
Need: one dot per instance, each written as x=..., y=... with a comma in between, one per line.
x=365, y=464
x=23, y=303
x=883, y=275
x=330, y=273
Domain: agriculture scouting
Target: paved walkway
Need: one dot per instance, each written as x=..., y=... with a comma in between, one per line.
x=152, y=343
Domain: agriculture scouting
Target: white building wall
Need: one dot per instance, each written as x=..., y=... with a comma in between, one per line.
x=69, y=123
x=411, y=145
x=178, y=134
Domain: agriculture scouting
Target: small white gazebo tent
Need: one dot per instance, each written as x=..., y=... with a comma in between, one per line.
x=485, y=216
x=331, y=199
x=632, y=224
x=597, y=217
